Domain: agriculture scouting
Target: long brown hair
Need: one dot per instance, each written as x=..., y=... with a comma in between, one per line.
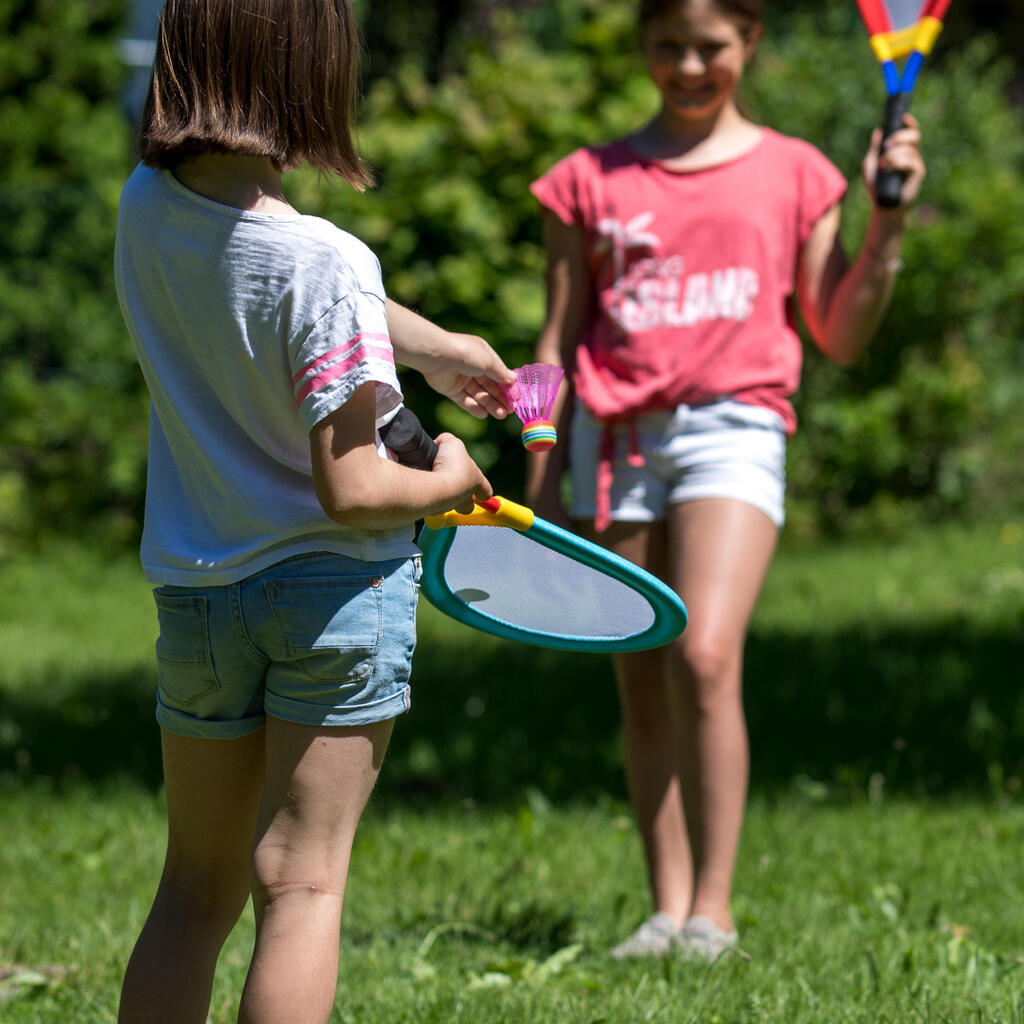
x=274, y=78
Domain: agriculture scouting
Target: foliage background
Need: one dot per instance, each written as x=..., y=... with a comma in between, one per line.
x=465, y=103
x=72, y=412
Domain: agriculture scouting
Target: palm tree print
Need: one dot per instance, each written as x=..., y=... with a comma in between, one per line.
x=620, y=238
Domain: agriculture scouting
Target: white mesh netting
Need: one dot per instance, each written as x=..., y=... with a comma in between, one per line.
x=501, y=574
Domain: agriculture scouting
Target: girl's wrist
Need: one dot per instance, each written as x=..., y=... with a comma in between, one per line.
x=886, y=223
x=891, y=264
x=885, y=240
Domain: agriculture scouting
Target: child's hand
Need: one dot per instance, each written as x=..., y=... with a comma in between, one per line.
x=469, y=483
x=902, y=153
x=472, y=375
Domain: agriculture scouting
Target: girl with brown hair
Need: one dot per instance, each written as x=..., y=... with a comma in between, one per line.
x=278, y=532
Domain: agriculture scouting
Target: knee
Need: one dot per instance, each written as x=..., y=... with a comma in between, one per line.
x=276, y=873
x=266, y=872
x=709, y=674
x=209, y=893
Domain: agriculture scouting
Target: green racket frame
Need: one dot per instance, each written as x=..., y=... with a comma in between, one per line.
x=438, y=535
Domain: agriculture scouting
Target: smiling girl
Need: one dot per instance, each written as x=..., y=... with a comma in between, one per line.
x=676, y=256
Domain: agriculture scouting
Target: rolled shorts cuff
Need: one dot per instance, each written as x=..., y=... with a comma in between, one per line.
x=204, y=728
x=301, y=713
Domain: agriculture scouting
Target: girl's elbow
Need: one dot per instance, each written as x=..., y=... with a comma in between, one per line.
x=834, y=342
x=347, y=506
x=840, y=350
x=335, y=510
x=343, y=516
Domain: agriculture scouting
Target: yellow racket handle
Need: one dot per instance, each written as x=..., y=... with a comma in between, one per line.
x=920, y=37
x=493, y=512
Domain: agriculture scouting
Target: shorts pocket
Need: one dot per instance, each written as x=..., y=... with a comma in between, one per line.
x=330, y=628
x=185, y=669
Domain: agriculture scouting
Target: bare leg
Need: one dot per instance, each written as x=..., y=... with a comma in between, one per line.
x=649, y=743
x=213, y=789
x=684, y=733
x=720, y=553
x=317, y=783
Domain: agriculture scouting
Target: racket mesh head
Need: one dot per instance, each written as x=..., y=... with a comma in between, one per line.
x=904, y=13
x=512, y=580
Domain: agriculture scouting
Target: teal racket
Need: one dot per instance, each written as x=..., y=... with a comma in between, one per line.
x=505, y=571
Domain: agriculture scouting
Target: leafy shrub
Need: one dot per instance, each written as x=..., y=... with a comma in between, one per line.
x=925, y=424
x=72, y=410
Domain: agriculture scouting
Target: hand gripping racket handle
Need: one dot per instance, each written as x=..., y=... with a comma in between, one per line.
x=411, y=444
x=889, y=184
x=414, y=447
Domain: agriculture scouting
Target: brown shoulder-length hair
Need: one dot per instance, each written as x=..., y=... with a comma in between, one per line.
x=274, y=78
x=749, y=13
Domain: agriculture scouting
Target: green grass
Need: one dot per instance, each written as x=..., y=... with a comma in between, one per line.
x=880, y=875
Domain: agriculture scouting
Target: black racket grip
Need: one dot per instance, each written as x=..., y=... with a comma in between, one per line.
x=411, y=444
x=889, y=184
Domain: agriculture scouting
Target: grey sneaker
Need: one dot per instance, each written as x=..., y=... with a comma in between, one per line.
x=701, y=939
x=655, y=937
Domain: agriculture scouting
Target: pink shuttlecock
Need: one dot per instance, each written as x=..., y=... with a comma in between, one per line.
x=532, y=397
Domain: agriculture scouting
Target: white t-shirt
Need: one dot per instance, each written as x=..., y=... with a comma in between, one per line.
x=249, y=328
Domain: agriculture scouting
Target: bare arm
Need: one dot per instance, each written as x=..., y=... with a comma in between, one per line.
x=569, y=295
x=358, y=488
x=844, y=303
x=461, y=367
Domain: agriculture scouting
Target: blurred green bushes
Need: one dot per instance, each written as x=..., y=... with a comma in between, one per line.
x=924, y=426
x=72, y=407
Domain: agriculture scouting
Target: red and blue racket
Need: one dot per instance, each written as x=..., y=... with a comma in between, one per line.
x=899, y=29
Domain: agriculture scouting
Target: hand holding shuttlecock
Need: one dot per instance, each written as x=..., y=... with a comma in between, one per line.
x=533, y=397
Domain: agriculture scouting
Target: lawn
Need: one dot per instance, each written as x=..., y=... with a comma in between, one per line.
x=880, y=876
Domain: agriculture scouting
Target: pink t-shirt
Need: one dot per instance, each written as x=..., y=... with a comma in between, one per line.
x=694, y=272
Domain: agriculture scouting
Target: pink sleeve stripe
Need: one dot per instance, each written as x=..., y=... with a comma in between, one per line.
x=358, y=357
x=350, y=346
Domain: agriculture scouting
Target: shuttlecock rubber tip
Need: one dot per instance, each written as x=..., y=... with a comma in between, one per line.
x=539, y=435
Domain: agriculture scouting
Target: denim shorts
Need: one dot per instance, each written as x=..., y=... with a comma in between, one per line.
x=318, y=639
x=726, y=449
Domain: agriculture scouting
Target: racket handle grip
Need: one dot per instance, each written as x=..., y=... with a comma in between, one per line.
x=889, y=184
x=407, y=439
